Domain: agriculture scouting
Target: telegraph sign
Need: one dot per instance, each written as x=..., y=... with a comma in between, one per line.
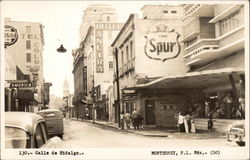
x=10, y=35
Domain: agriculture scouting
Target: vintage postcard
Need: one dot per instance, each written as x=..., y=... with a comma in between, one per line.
x=124, y=80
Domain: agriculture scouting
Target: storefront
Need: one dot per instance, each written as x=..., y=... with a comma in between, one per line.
x=161, y=100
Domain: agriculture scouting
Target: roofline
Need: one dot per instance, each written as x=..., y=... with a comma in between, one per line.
x=87, y=35
x=131, y=17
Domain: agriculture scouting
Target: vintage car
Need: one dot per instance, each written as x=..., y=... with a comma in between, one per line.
x=236, y=132
x=27, y=130
x=54, y=121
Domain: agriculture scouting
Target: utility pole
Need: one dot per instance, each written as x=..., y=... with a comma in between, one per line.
x=93, y=97
x=118, y=85
x=93, y=87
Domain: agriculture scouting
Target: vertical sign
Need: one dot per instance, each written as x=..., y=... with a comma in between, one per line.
x=99, y=28
x=99, y=51
x=85, y=80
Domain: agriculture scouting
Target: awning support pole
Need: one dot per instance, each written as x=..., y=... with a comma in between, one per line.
x=234, y=88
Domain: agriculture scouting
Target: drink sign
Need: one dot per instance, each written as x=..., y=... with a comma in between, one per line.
x=10, y=35
x=162, y=44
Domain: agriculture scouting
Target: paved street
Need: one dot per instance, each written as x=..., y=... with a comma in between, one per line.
x=80, y=134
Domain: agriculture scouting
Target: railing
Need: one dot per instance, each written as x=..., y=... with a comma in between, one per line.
x=192, y=10
x=199, y=45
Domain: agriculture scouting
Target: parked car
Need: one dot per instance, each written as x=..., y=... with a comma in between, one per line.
x=27, y=130
x=236, y=132
x=54, y=121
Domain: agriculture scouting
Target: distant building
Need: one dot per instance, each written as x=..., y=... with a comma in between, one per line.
x=24, y=43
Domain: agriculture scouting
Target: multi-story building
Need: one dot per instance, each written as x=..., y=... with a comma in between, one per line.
x=145, y=49
x=24, y=44
x=214, y=39
x=94, y=58
x=177, y=57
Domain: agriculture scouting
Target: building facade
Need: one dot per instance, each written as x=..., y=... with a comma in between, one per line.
x=145, y=49
x=217, y=42
x=178, y=58
x=24, y=43
x=98, y=29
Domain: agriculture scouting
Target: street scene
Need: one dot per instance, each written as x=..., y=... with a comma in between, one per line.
x=76, y=138
x=106, y=75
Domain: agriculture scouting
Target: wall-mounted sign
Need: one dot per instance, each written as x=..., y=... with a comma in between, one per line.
x=22, y=84
x=162, y=44
x=85, y=80
x=10, y=35
x=99, y=29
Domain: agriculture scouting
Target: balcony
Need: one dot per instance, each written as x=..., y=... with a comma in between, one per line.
x=199, y=10
x=201, y=44
x=209, y=53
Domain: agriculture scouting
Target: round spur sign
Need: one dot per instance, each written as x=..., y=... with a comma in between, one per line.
x=10, y=35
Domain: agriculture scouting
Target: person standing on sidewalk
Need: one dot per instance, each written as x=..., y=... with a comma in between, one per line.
x=122, y=120
x=188, y=118
x=140, y=119
x=228, y=100
x=135, y=119
x=128, y=119
x=181, y=122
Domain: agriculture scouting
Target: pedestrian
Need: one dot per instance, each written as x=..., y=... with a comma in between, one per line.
x=135, y=119
x=228, y=100
x=188, y=118
x=140, y=120
x=122, y=120
x=210, y=122
x=181, y=122
x=127, y=119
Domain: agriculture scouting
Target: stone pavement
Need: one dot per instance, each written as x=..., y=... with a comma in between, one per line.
x=159, y=132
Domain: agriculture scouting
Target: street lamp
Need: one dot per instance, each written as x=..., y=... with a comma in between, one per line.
x=61, y=49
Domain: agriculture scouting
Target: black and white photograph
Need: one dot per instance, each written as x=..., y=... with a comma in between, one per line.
x=130, y=80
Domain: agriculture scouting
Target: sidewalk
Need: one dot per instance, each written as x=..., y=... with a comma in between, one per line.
x=159, y=132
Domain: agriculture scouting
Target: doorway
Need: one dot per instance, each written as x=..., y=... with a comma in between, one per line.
x=150, y=112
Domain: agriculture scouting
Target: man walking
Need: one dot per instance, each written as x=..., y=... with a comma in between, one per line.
x=127, y=119
x=135, y=119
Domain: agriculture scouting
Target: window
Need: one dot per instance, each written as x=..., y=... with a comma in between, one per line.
x=28, y=57
x=28, y=29
x=108, y=18
x=39, y=137
x=122, y=58
x=28, y=45
x=165, y=11
x=131, y=50
x=174, y=12
x=229, y=23
x=110, y=34
x=127, y=54
x=110, y=65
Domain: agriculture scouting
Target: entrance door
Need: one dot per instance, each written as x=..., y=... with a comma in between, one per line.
x=150, y=112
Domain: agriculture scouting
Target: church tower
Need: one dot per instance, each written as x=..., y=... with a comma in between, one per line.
x=65, y=87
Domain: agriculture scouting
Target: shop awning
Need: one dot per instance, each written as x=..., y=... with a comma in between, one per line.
x=199, y=79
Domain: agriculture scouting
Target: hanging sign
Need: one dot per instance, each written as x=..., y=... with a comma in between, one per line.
x=162, y=44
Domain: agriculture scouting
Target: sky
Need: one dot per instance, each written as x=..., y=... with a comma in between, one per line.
x=61, y=21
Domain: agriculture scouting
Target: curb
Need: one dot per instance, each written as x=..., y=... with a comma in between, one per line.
x=220, y=134
x=118, y=129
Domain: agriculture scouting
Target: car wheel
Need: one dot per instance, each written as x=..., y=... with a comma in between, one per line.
x=241, y=143
x=61, y=136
